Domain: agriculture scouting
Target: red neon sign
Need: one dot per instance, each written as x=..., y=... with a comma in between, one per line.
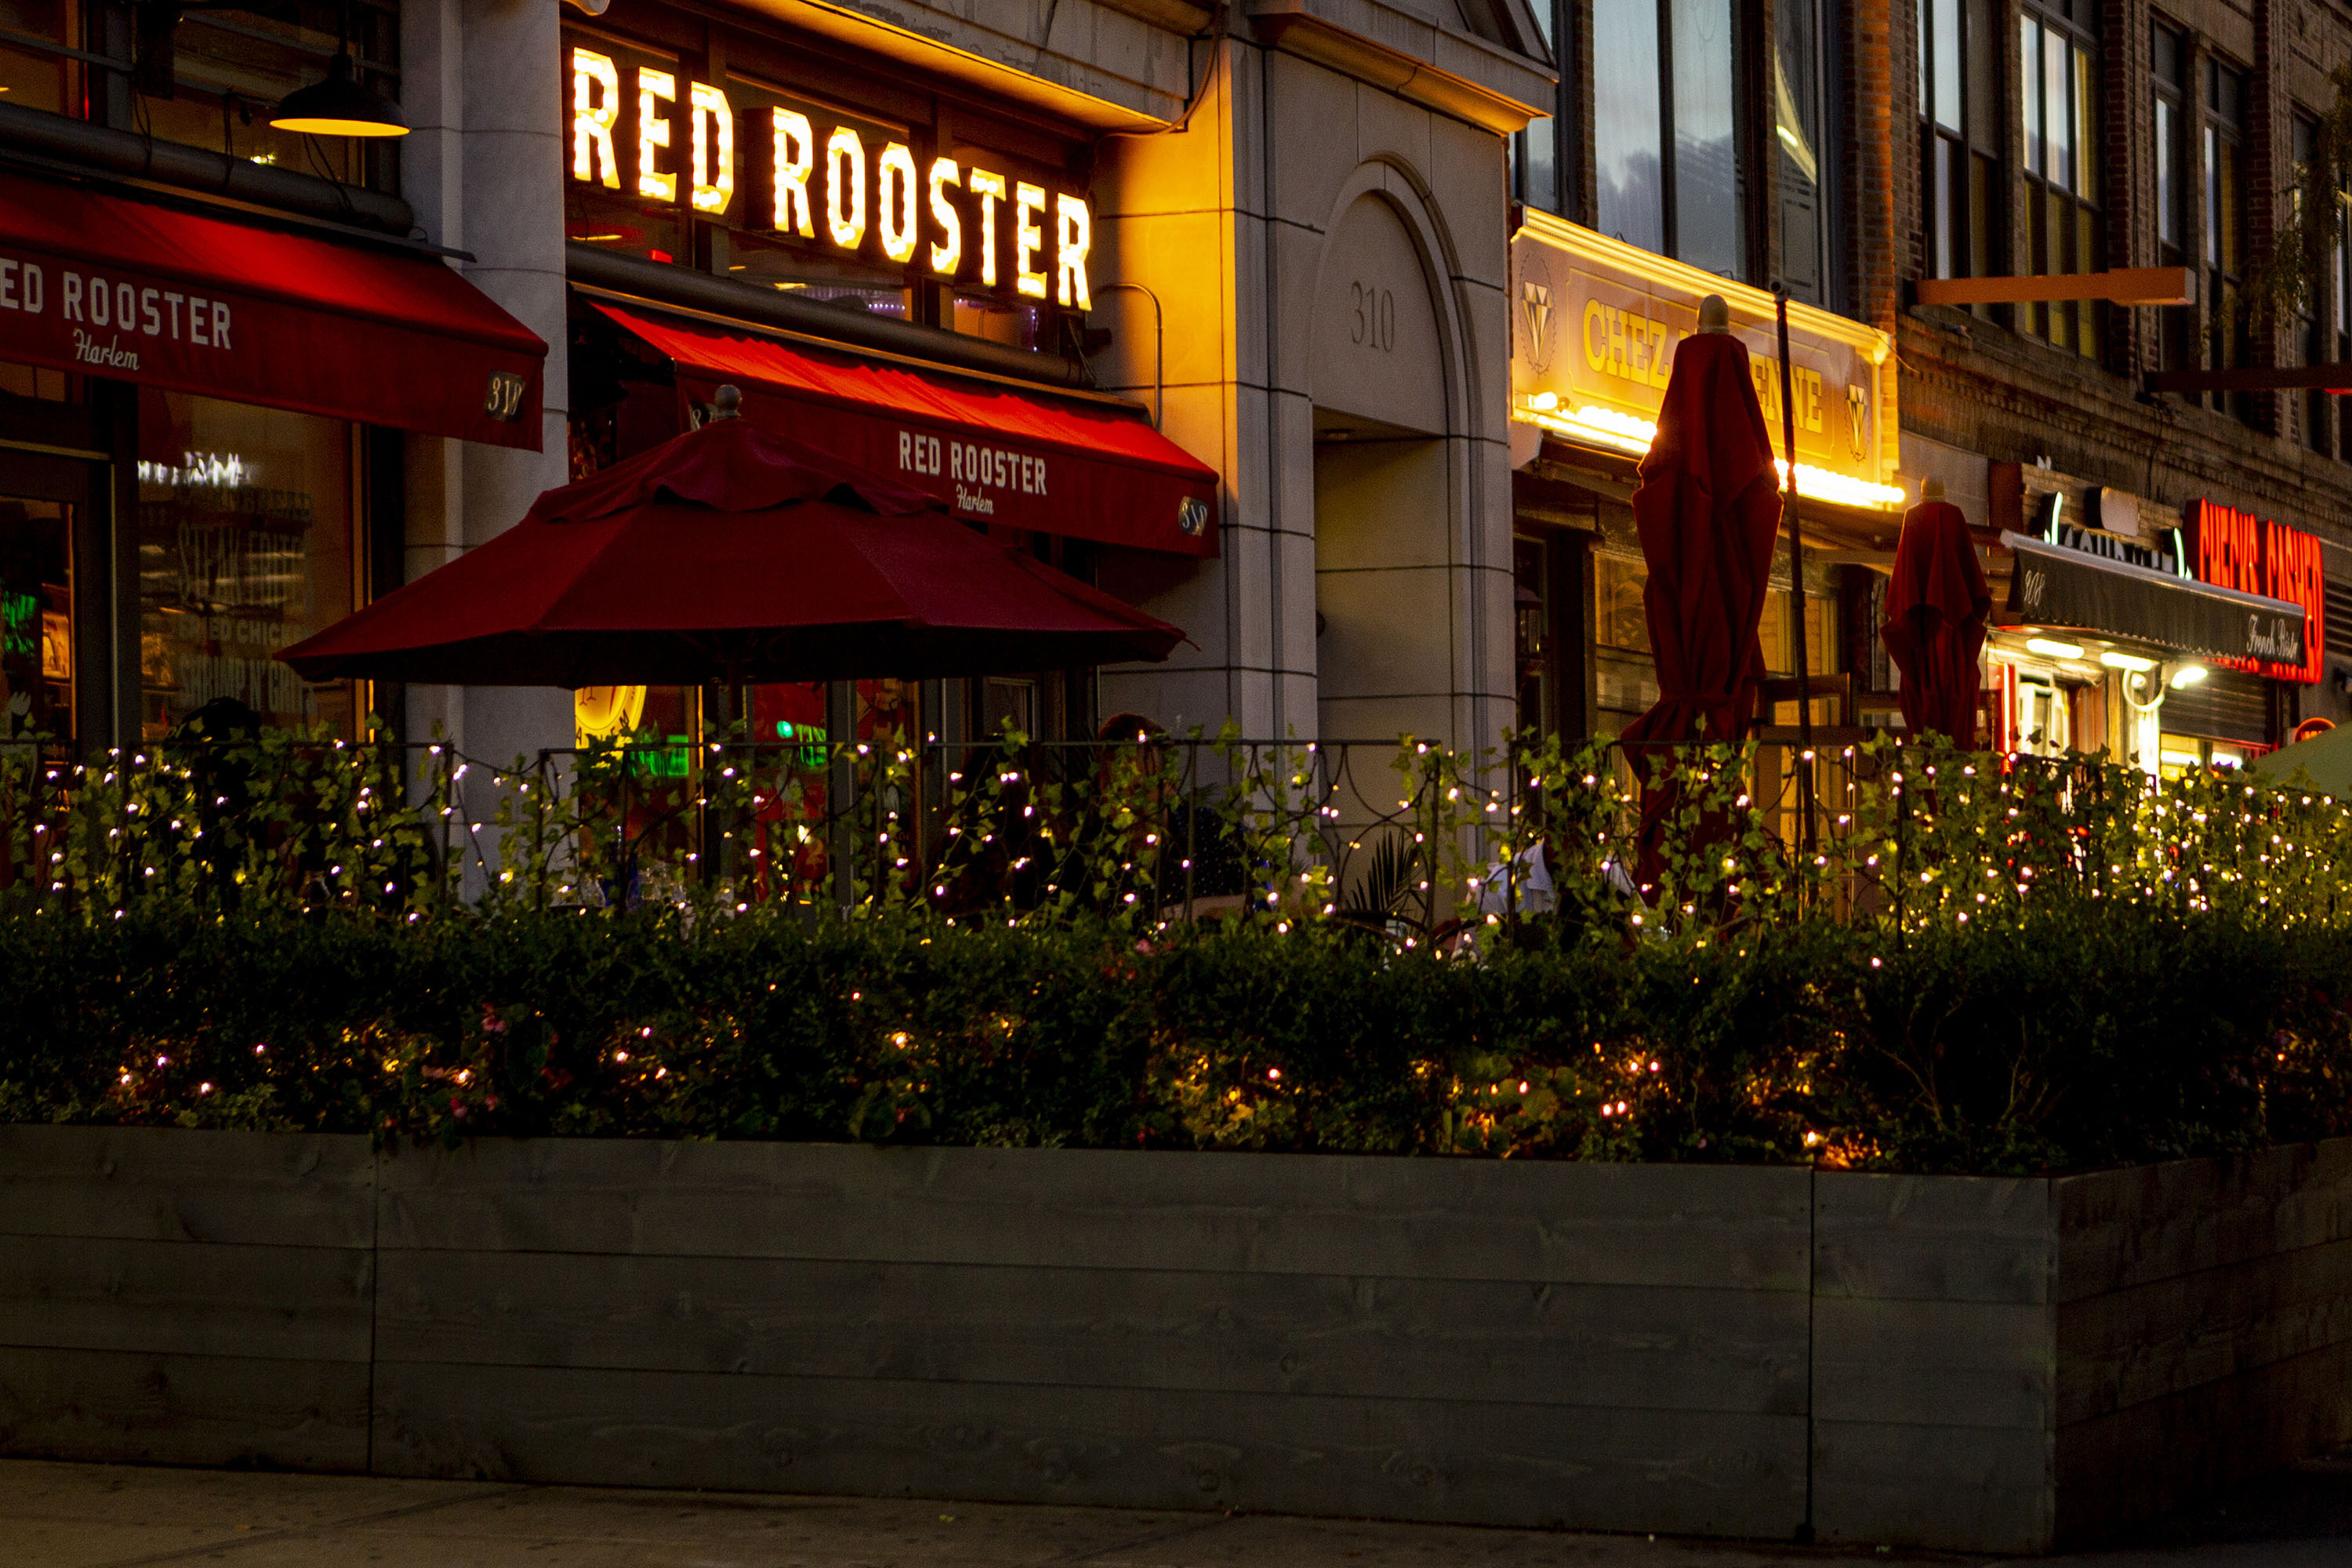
x=2237, y=549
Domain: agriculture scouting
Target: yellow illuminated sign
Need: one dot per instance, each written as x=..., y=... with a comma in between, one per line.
x=1595, y=323
x=660, y=136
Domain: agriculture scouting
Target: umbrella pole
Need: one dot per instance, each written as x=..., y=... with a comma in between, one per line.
x=1796, y=580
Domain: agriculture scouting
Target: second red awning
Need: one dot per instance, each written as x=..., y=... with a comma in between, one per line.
x=994, y=453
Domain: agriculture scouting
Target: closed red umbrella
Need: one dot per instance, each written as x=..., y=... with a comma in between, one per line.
x=1707, y=512
x=731, y=554
x=1936, y=608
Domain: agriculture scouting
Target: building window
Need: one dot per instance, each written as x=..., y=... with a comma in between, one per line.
x=2339, y=328
x=246, y=544
x=1664, y=77
x=35, y=70
x=2174, y=181
x=1806, y=101
x=1960, y=91
x=1544, y=154
x=204, y=76
x=2310, y=326
x=2057, y=78
x=2229, y=342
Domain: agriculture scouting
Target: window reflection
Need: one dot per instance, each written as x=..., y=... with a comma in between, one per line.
x=1626, y=118
x=245, y=547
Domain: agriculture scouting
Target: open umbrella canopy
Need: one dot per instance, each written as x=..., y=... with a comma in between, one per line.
x=731, y=554
x=1936, y=612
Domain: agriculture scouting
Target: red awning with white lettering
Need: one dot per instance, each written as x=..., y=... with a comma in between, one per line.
x=190, y=302
x=994, y=453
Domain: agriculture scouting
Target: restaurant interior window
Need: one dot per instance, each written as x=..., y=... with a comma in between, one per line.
x=36, y=618
x=1806, y=100
x=246, y=545
x=1532, y=641
x=1543, y=155
x=1625, y=673
x=2058, y=91
x=2174, y=180
x=1664, y=79
x=1779, y=651
x=2229, y=342
x=1959, y=92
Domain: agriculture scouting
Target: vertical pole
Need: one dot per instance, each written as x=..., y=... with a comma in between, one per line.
x=1796, y=577
x=841, y=784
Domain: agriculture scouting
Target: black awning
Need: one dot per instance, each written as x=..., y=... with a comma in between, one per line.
x=2057, y=588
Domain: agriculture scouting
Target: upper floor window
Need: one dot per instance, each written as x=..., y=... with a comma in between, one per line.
x=2229, y=340
x=2058, y=82
x=1806, y=104
x=2176, y=181
x=1960, y=93
x=2310, y=327
x=1666, y=141
x=1544, y=154
x=203, y=77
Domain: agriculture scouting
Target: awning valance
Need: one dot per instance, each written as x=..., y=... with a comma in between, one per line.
x=2054, y=587
x=991, y=451
x=190, y=302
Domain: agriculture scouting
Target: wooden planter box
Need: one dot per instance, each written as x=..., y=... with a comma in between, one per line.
x=1942, y=1362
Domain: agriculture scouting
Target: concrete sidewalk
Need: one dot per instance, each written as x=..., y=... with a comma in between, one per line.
x=119, y=1516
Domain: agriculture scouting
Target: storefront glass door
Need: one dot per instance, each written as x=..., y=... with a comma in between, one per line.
x=36, y=618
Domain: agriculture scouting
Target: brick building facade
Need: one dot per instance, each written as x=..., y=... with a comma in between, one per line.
x=2137, y=136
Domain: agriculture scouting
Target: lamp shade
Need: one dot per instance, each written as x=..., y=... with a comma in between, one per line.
x=340, y=106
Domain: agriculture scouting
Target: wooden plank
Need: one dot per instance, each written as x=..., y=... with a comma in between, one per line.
x=2154, y=1341
x=2121, y=1228
x=1635, y=1346
x=1933, y=1238
x=167, y=1184
x=2170, y=1453
x=1491, y=1464
x=279, y=1303
x=114, y=1406
x=1946, y=1488
x=1934, y=1364
x=1709, y=1226
x=2123, y=285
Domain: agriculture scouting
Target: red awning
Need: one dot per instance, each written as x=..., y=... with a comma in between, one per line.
x=994, y=453
x=177, y=299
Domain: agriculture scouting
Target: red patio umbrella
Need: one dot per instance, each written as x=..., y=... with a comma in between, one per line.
x=1707, y=512
x=1935, y=613
x=732, y=555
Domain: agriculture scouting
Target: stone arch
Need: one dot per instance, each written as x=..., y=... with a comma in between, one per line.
x=1401, y=488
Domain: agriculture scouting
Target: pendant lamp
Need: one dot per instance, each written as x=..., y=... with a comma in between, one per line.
x=341, y=105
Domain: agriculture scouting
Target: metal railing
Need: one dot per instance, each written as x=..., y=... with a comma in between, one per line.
x=1417, y=841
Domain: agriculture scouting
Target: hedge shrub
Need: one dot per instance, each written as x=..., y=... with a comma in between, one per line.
x=2082, y=1036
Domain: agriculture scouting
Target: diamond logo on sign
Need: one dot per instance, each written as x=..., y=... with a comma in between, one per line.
x=1535, y=300
x=1192, y=516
